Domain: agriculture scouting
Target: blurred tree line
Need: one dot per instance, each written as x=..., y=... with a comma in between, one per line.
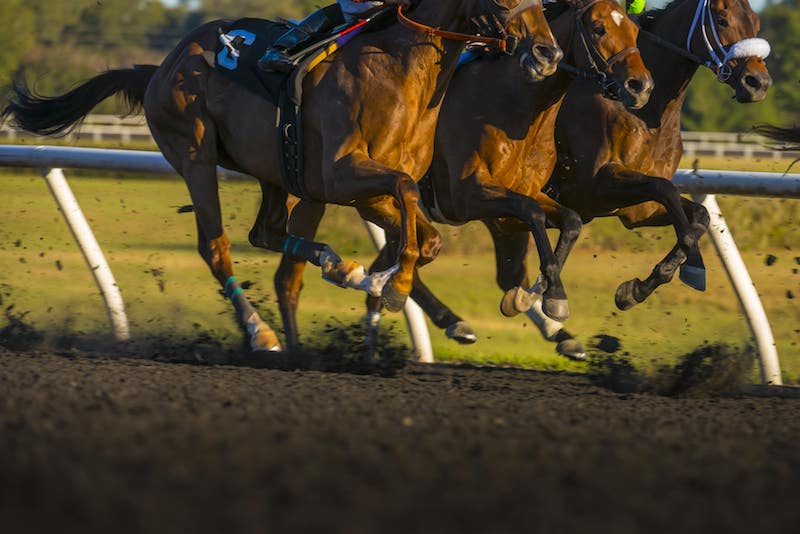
x=56, y=43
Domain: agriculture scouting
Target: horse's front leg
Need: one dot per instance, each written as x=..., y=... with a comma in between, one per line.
x=488, y=202
x=511, y=249
x=443, y=317
x=652, y=201
x=393, y=196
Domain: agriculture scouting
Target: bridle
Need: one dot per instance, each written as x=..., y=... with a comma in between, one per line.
x=506, y=43
x=718, y=55
x=600, y=67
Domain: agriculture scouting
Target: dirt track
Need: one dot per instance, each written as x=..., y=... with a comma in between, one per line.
x=123, y=445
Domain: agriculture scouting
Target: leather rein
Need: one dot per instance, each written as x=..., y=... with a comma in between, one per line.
x=506, y=44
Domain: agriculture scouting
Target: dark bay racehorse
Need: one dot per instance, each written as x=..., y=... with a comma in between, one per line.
x=494, y=149
x=622, y=165
x=369, y=117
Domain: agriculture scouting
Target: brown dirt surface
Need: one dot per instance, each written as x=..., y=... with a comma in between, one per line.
x=102, y=443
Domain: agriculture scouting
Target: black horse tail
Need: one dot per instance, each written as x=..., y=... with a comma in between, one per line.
x=780, y=135
x=59, y=115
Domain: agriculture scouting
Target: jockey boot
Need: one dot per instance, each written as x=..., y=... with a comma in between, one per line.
x=276, y=58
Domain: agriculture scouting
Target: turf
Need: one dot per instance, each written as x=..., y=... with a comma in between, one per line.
x=169, y=291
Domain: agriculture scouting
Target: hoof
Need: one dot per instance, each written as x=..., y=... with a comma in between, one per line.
x=375, y=282
x=694, y=277
x=556, y=309
x=265, y=340
x=572, y=349
x=516, y=300
x=262, y=337
x=625, y=297
x=461, y=332
x=392, y=299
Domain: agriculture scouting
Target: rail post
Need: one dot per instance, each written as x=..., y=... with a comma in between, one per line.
x=745, y=291
x=91, y=251
x=415, y=318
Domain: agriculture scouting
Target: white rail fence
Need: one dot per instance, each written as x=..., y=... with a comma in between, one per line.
x=98, y=128
x=703, y=184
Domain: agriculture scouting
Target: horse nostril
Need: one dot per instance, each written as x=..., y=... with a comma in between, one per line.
x=543, y=52
x=634, y=86
x=752, y=81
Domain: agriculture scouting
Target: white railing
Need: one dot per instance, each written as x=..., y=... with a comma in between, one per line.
x=98, y=128
x=702, y=183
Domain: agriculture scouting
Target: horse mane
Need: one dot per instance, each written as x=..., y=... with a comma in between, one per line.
x=555, y=8
x=649, y=18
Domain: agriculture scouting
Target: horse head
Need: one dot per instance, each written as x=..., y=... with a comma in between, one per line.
x=724, y=32
x=606, y=43
x=538, y=50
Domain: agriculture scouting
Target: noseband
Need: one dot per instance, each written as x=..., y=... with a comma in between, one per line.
x=505, y=44
x=601, y=68
x=719, y=56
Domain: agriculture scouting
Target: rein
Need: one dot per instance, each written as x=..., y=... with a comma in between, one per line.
x=505, y=44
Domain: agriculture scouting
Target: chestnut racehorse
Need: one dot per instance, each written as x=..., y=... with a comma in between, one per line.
x=494, y=149
x=369, y=117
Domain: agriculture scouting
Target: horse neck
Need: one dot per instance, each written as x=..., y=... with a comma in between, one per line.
x=671, y=72
x=449, y=15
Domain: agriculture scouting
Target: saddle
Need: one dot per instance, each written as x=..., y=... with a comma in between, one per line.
x=244, y=41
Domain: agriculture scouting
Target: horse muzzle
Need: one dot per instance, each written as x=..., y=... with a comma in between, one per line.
x=635, y=91
x=753, y=82
x=541, y=61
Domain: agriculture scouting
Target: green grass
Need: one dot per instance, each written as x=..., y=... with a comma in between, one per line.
x=169, y=291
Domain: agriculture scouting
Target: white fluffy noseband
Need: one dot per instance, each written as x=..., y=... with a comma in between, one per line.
x=754, y=47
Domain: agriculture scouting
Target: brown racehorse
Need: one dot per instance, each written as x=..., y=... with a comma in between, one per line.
x=369, y=117
x=495, y=150
x=619, y=162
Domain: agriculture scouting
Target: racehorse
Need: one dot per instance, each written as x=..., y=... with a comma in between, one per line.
x=369, y=115
x=494, y=150
x=622, y=165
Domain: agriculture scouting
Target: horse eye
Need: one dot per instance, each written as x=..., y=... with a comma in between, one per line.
x=599, y=30
x=722, y=22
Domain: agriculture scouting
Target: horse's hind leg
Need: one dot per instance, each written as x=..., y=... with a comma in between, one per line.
x=304, y=221
x=214, y=247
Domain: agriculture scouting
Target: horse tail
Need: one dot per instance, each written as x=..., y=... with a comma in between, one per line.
x=780, y=135
x=59, y=115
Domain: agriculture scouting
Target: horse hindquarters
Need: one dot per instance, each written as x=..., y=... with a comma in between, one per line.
x=187, y=136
